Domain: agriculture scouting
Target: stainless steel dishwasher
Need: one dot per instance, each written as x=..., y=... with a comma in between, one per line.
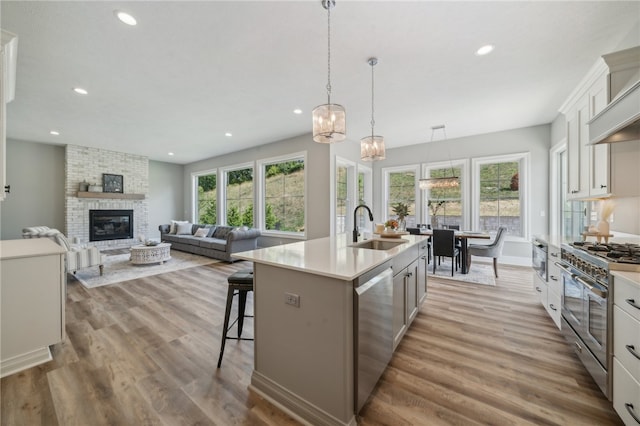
x=373, y=305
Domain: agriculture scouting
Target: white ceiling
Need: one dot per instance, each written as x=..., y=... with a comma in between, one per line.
x=191, y=71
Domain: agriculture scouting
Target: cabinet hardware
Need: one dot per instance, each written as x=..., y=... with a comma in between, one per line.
x=629, y=408
x=633, y=303
x=578, y=346
x=553, y=278
x=538, y=290
x=7, y=189
x=603, y=186
x=554, y=254
x=632, y=349
x=552, y=307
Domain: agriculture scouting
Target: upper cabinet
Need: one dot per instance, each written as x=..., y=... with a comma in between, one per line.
x=8, y=56
x=588, y=165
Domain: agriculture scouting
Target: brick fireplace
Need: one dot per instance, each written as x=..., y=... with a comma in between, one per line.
x=84, y=164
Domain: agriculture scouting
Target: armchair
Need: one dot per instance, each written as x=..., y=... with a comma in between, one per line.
x=77, y=256
x=493, y=250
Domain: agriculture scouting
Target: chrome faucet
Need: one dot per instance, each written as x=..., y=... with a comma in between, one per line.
x=355, y=224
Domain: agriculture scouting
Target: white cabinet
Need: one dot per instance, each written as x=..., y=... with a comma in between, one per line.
x=588, y=165
x=32, y=298
x=554, y=286
x=626, y=349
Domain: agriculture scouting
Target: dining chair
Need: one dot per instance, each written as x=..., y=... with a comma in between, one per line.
x=488, y=250
x=444, y=244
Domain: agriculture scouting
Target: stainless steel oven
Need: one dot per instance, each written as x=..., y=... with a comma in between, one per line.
x=586, y=311
x=540, y=258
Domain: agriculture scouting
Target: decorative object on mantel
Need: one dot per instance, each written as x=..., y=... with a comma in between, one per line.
x=94, y=188
x=83, y=186
x=112, y=183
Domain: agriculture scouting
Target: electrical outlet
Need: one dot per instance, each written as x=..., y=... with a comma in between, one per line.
x=292, y=299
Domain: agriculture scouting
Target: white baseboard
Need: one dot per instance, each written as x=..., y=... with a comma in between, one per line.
x=24, y=361
x=298, y=408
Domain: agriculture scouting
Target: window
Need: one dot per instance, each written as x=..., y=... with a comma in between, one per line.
x=342, y=197
x=238, y=199
x=444, y=206
x=207, y=201
x=283, y=199
x=500, y=194
x=400, y=187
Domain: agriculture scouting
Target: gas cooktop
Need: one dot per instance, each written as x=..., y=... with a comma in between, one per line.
x=614, y=253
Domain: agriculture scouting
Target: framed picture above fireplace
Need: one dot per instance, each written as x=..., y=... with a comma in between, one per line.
x=112, y=183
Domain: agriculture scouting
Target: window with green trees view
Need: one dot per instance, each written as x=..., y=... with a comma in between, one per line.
x=401, y=188
x=207, y=202
x=284, y=195
x=342, y=196
x=445, y=204
x=239, y=197
x=500, y=202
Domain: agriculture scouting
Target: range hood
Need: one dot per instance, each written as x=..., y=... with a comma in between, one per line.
x=619, y=121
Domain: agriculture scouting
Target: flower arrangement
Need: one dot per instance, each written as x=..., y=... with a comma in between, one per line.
x=401, y=209
x=434, y=206
x=391, y=224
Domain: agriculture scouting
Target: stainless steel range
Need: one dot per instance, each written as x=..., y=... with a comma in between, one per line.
x=587, y=302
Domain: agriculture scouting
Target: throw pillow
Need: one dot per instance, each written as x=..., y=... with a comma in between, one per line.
x=184, y=228
x=174, y=225
x=201, y=232
x=211, y=229
x=62, y=241
x=221, y=232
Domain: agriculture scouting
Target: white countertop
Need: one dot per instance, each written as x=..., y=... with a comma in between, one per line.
x=329, y=256
x=13, y=249
x=634, y=277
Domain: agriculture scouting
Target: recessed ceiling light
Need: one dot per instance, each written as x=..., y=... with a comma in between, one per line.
x=484, y=50
x=54, y=133
x=80, y=91
x=126, y=18
x=297, y=111
x=170, y=153
x=228, y=134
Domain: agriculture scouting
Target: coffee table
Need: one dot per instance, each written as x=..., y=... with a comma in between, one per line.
x=143, y=254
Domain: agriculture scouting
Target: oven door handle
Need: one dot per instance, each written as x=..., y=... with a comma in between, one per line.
x=564, y=268
x=595, y=290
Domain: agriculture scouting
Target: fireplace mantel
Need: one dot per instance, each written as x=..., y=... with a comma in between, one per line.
x=112, y=195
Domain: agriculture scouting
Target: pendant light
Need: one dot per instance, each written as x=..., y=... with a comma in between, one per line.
x=441, y=182
x=329, y=120
x=372, y=147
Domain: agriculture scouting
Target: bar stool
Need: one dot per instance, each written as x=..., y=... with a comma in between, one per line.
x=240, y=283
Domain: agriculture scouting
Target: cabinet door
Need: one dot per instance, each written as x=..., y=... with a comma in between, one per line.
x=578, y=150
x=3, y=130
x=412, y=290
x=541, y=289
x=423, y=264
x=573, y=150
x=599, y=180
x=399, y=306
x=585, y=149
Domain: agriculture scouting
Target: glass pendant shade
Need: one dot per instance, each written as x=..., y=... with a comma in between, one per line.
x=329, y=123
x=372, y=148
x=443, y=182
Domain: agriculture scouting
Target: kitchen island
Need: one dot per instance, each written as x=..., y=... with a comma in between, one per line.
x=306, y=332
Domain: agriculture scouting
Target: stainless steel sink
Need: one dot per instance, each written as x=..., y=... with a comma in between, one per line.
x=378, y=244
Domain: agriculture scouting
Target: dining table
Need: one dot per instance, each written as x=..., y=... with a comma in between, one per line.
x=464, y=237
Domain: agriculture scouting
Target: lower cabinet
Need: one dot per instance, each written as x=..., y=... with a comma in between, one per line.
x=423, y=266
x=409, y=290
x=626, y=350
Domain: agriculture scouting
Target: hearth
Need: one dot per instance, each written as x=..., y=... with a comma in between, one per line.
x=110, y=225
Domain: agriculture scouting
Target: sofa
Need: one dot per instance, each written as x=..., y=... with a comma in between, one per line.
x=215, y=241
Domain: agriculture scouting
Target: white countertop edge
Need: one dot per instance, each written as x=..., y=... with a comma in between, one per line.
x=631, y=276
x=342, y=248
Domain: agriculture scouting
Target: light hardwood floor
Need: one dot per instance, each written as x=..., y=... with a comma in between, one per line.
x=144, y=352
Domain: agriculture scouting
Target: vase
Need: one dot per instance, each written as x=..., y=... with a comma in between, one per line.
x=434, y=222
x=402, y=225
x=603, y=227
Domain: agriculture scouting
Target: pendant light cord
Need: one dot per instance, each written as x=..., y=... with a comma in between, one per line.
x=373, y=122
x=329, y=53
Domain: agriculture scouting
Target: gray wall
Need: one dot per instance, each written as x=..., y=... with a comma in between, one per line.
x=166, y=196
x=318, y=178
x=35, y=172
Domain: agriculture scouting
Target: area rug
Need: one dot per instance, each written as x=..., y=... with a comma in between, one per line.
x=118, y=268
x=479, y=273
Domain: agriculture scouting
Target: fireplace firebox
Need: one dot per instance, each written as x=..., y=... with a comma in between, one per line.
x=110, y=225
